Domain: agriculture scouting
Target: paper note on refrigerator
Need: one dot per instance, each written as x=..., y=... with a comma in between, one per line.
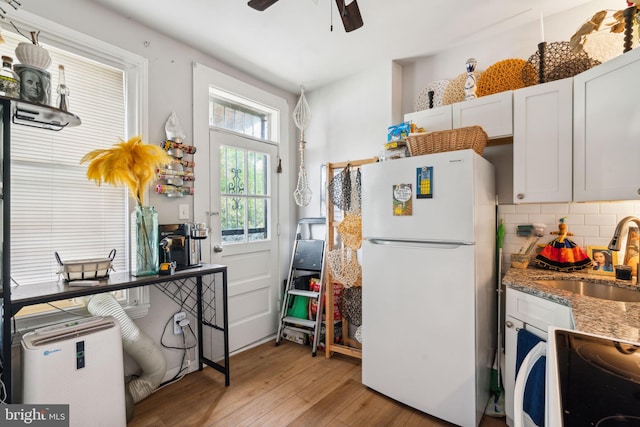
x=402, y=198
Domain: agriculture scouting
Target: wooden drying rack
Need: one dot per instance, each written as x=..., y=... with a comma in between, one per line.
x=349, y=347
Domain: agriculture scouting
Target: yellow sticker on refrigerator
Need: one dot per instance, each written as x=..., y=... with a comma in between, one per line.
x=424, y=182
x=402, y=198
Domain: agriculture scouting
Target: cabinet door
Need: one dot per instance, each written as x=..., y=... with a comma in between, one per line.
x=542, y=142
x=494, y=113
x=606, y=131
x=431, y=120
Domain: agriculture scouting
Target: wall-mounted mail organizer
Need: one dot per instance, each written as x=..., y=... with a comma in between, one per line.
x=178, y=173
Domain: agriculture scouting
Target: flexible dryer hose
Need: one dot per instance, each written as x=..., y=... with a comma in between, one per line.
x=136, y=343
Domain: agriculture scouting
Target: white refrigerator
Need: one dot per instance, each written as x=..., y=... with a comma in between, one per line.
x=428, y=282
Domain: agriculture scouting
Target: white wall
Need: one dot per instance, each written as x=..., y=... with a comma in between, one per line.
x=170, y=89
x=349, y=120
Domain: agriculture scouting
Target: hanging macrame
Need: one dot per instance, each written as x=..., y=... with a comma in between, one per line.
x=302, y=117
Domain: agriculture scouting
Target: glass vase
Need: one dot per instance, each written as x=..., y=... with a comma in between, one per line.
x=144, y=241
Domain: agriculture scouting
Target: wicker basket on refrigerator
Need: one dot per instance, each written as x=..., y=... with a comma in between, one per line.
x=472, y=137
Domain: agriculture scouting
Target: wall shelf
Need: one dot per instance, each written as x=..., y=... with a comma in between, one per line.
x=177, y=173
x=42, y=116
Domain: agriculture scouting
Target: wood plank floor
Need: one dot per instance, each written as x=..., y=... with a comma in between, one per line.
x=280, y=386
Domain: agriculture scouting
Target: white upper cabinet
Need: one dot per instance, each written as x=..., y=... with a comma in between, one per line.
x=606, y=131
x=431, y=120
x=542, y=141
x=493, y=112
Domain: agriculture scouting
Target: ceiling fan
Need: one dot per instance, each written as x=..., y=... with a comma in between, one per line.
x=350, y=14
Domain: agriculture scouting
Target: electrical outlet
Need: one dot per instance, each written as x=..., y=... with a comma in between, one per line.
x=177, y=329
x=183, y=211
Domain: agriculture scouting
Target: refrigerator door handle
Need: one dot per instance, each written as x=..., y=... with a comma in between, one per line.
x=440, y=244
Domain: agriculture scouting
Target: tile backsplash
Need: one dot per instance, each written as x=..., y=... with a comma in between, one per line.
x=592, y=224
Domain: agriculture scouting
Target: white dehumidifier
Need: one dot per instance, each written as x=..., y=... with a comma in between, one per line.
x=78, y=363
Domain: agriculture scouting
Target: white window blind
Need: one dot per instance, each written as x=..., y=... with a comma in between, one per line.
x=54, y=207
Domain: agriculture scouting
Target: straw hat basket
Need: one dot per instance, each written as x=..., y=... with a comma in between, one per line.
x=472, y=137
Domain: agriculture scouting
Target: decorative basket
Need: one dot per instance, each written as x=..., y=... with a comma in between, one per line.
x=472, y=137
x=560, y=62
x=84, y=269
x=502, y=76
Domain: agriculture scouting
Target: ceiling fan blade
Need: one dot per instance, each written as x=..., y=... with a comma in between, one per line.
x=261, y=4
x=351, y=17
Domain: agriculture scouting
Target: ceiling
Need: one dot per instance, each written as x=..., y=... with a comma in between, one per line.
x=291, y=43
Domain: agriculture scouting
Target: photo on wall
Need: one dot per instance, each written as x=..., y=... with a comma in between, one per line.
x=603, y=259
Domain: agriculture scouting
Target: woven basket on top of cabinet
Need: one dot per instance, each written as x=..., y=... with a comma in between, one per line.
x=472, y=137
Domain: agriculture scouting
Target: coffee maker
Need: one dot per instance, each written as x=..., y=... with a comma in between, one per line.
x=181, y=243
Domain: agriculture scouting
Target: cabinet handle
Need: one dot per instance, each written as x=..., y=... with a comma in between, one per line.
x=520, y=196
x=508, y=324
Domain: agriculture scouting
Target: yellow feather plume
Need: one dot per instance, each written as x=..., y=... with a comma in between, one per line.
x=132, y=163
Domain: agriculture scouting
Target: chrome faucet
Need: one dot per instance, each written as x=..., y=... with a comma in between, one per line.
x=615, y=242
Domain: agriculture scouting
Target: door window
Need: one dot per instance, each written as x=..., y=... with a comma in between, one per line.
x=244, y=195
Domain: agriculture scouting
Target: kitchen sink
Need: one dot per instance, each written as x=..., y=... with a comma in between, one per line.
x=595, y=290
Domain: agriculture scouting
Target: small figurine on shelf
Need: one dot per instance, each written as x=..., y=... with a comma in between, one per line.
x=470, y=83
x=562, y=254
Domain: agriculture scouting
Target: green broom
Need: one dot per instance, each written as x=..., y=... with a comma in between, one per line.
x=495, y=406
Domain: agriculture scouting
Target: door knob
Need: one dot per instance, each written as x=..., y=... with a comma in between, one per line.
x=508, y=324
x=217, y=248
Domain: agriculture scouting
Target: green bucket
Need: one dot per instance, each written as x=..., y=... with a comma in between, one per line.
x=299, y=307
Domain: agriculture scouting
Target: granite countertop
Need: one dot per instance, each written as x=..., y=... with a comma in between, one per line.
x=615, y=319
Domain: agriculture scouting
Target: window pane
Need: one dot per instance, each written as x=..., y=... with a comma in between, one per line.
x=232, y=170
x=232, y=219
x=245, y=118
x=258, y=173
x=257, y=219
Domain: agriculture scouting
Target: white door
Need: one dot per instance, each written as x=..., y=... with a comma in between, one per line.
x=243, y=202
